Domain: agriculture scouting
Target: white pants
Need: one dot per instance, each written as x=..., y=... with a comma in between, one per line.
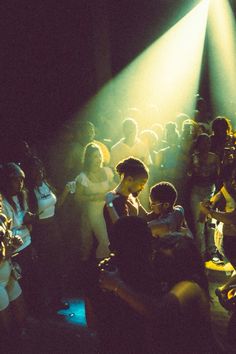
x=10, y=289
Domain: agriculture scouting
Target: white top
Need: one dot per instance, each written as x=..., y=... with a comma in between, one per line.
x=121, y=151
x=17, y=217
x=46, y=201
x=95, y=207
x=96, y=187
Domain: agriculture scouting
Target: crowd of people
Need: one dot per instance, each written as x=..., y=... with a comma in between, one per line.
x=132, y=220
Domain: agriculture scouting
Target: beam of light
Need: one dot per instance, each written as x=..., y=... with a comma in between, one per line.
x=222, y=54
x=165, y=75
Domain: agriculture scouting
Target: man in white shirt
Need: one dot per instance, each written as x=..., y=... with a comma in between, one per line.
x=129, y=145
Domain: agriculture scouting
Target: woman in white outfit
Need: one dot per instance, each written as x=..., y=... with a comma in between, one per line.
x=11, y=299
x=15, y=207
x=91, y=186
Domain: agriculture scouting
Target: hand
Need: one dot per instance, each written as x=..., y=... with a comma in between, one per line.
x=29, y=217
x=110, y=196
x=16, y=241
x=70, y=187
x=109, y=280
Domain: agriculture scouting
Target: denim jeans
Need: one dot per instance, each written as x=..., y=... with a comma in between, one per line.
x=203, y=234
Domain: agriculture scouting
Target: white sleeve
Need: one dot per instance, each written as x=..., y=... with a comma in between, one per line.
x=82, y=179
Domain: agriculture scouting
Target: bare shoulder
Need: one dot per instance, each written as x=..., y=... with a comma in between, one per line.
x=188, y=292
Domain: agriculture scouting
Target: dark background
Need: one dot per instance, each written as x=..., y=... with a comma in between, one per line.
x=56, y=54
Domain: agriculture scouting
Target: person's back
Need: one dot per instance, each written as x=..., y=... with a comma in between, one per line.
x=120, y=329
x=129, y=145
x=183, y=326
x=178, y=320
x=133, y=177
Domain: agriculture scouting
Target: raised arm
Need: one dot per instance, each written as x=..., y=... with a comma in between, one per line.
x=225, y=217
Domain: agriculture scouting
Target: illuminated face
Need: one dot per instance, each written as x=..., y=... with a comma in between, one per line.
x=17, y=183
x=136, y=185
x=157, y=206
x=37, y=175
x=130, y=129
x=97, y=158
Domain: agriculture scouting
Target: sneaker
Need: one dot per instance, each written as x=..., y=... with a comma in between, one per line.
x=216, y=259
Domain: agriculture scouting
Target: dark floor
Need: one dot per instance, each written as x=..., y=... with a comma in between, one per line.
x=67, y=333
x=220, y=317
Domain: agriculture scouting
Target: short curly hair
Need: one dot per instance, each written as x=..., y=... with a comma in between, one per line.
x=164, y=192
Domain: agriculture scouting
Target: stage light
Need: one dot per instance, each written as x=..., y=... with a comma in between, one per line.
x=222, y=54
x=165, y=75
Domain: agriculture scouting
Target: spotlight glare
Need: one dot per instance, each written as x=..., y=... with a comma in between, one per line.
x=166, y=74
x=222, y=53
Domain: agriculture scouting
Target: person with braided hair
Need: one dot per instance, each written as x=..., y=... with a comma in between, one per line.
x=123, y=200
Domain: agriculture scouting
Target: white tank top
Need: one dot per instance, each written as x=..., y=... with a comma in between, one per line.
x=46, y=201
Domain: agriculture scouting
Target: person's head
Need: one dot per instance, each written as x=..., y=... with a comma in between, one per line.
x=175, y=259
x=92, y=157
x=202, y=128
x=201, y=104
x=221, y=126
x=85, y=132
x=189, y=129
x=171, y=133
x=180, y=118
x=149, y=138
x=203, y=143
x=129, y=128
x=130, y=239
x=12, y=179
x=35, y=172
x=163, y=196
x=134, y=175
x=170, y=127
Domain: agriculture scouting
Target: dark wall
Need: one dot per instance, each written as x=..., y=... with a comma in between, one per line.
x=47, y=63
x=47, y=56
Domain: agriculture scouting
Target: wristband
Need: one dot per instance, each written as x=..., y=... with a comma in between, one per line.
x=110, y=205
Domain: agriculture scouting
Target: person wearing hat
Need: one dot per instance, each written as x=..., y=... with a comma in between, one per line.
x=15, y=208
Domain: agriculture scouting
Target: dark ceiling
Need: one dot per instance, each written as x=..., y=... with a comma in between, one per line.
x=52, y=52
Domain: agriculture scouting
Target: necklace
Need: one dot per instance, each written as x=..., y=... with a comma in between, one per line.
x=43, y=191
